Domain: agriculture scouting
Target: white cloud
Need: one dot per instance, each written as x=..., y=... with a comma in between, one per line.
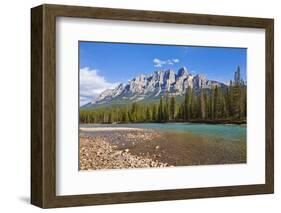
x=170, y=62
x=159, y=63
x=92, y=84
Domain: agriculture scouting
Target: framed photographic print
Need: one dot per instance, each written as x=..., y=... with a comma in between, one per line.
x=136, y=106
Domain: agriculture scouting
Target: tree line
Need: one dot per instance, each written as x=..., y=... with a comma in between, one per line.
x=229, y=103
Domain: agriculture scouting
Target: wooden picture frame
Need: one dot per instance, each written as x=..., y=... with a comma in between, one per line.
x=43, y=105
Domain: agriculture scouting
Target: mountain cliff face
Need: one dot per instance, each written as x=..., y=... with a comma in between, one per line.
x=155, y=85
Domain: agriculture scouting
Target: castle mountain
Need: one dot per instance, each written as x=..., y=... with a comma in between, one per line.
x=153, y=86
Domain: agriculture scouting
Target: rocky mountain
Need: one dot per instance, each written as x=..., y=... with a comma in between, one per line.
x=155, y=85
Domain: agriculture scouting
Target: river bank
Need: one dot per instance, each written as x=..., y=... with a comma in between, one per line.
x=98, y=153
x=128, y=147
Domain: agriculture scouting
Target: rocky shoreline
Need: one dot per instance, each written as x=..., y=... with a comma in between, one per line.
x=97, y=153
x=119, y=147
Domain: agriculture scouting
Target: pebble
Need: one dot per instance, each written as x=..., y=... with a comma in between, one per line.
x=96, y=153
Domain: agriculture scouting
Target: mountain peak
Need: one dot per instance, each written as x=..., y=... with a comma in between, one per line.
x=153, y=86
x=169, y=72
x=183, y=71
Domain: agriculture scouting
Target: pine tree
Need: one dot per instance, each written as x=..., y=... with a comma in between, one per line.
x=148, y=115
x=160, y=110
x=190, y=107
x=110, y=120
x=172, y=107
x=133, y=114
x=182, y=111
x=215, y=101
x=186, y=105
x=202, y=104
x=166, y=110
x=154, y=112
x=236, y=102
x=125, y=117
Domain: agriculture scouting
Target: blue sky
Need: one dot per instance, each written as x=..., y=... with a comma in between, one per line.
x=108, y=64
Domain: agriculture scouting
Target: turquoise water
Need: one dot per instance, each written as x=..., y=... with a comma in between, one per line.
x=228, y=132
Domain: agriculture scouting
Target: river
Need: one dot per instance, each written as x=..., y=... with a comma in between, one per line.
x=227, y=132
